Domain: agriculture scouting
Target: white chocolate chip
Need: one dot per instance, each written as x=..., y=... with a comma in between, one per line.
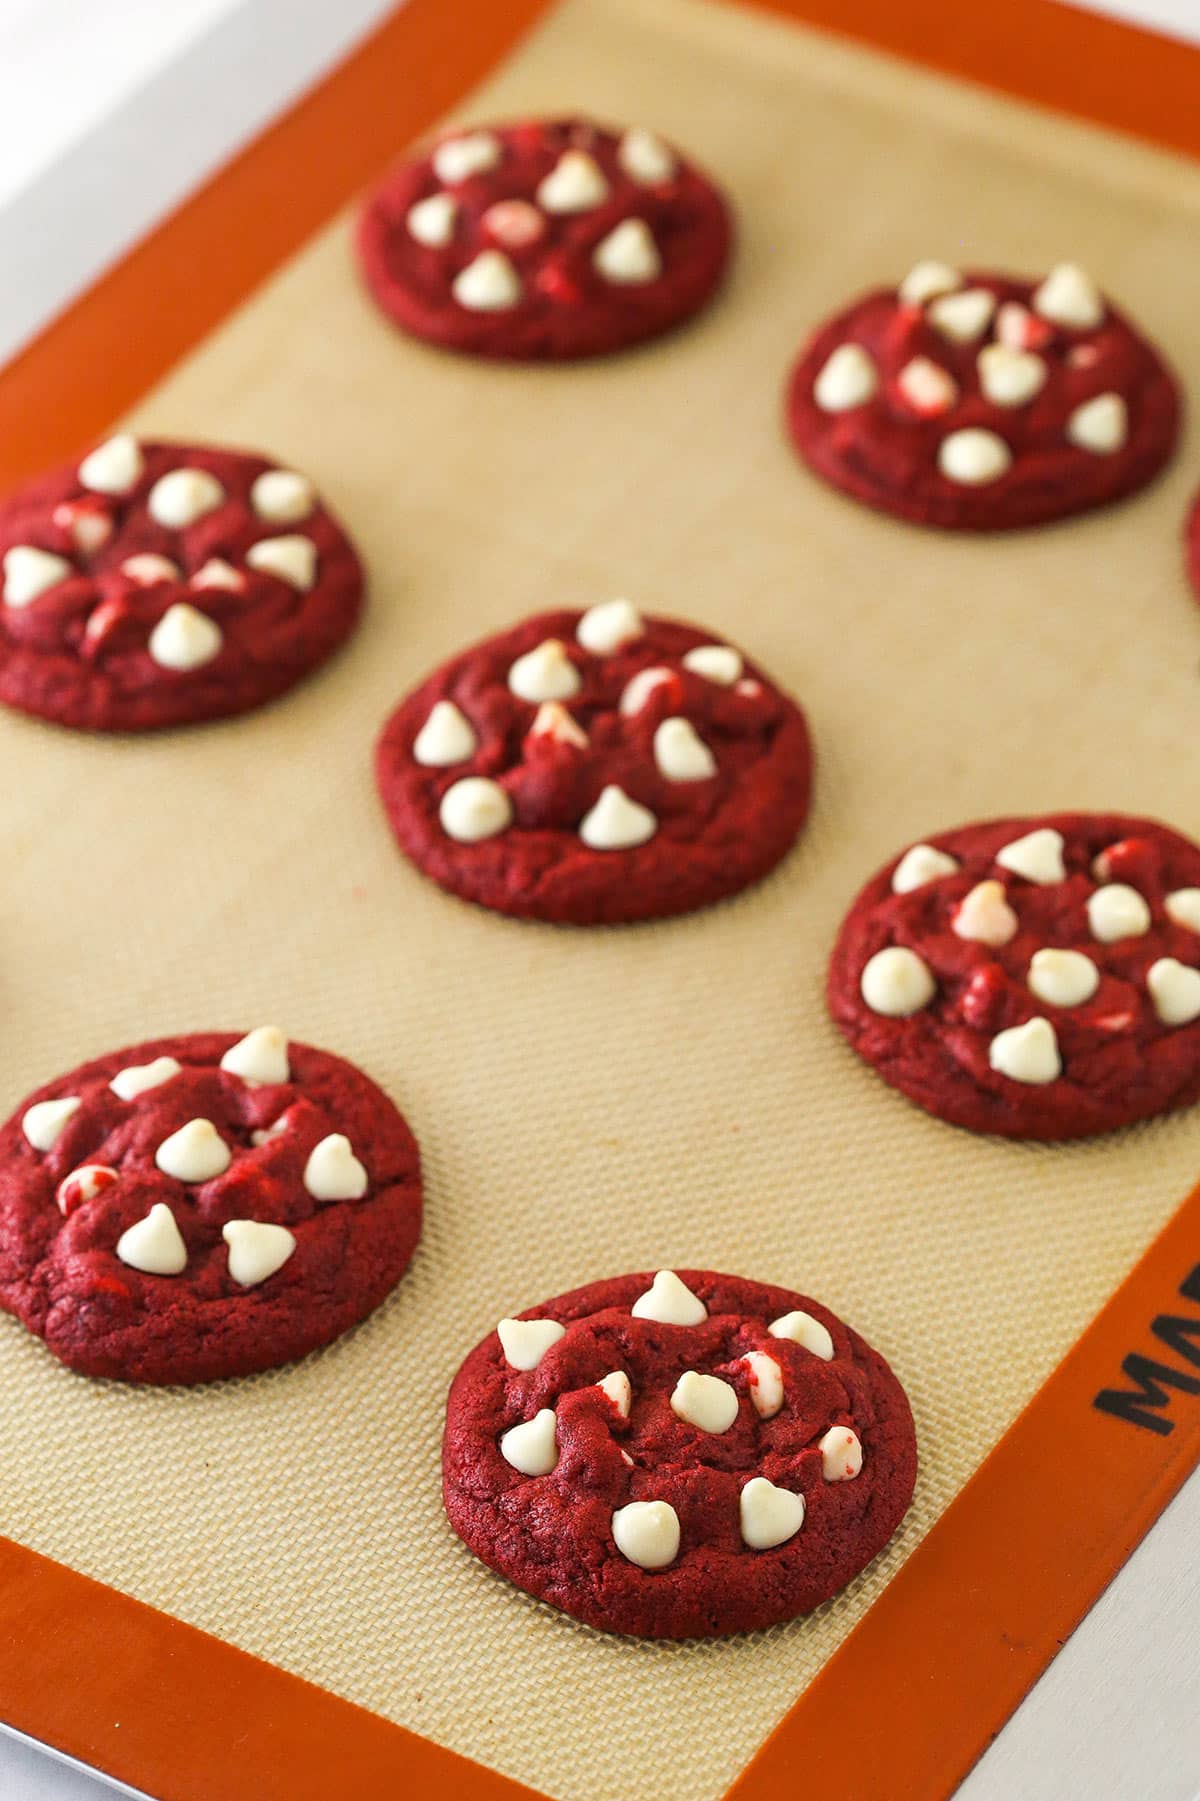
x=184, y=638
x=717, y=663
x=1038, y=856
x=670, y=1301
x=1069, y=296
x=1183, y=907
x=928, y=388
x=489, y=284
x=114, y=467
x=148, y=567
x=925, y=281
x=841, y=1454
x=457, y=159
x=532, y=1447
x=83, y=1185
x=1100, y=425
x=447, y=737
x=545, y=673
x=155, y=1244
x=628, y=255
x=964, y=316
x=804, y=1330
x=619, y=1390
x=605, y=628
x=217, y=573
x=526, y=1341
x=1063, y=978
x=616, y=822
x=766, y=1383
x=647, y=1533
x=984, y=915
x=645, y=158
x=181, y=497
x=475, y=808
x=896, y=982
x=574, y=185
x=1017, y=327
x=195, y=1153
x=28, y=572
x=431, y=221
x=333, y=1172
x=514, y=223
x=1117, y=911
x=553, y=721
x=681, y=753
x=848, y=378
x=44, y=1121
x=1010, y=377
x=260, y=1057
x=263, y=1134
x=127, y=1084
x=1027, y=1053
x=1102, y=864
x=1175, y=990
x=88, y=523
x=256, y=1249
x=920, y=865
x=768, y=1515
x=293, y=558
x=282, y=496
x=639, y=689
x=973, y=457
x=704, y=1402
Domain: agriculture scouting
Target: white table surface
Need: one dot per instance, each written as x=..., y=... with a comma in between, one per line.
x=84, y=86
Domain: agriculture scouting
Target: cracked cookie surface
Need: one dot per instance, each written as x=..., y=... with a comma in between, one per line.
x=596, y=768
x=203, y=1206
x=677, y=1455
x=1036, y=977
x=980, y=401
x=544, y=240
x=154, y=584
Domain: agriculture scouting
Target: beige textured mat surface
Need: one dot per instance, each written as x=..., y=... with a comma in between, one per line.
x=594, y=1103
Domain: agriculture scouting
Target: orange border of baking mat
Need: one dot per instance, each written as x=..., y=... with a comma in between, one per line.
x=988, y=1597
x=1046, y=51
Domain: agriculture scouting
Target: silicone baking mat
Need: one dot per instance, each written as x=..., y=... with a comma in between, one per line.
x=594, y=1102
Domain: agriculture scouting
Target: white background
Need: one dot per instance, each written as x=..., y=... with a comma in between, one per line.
x=110, y=111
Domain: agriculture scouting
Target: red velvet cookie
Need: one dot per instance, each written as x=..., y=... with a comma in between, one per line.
x=158, y=584
x=546, y=240
x=678, y=1457
x=203, y=1206
x=1039, y=978
x=981, y=402
x=594, y=768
